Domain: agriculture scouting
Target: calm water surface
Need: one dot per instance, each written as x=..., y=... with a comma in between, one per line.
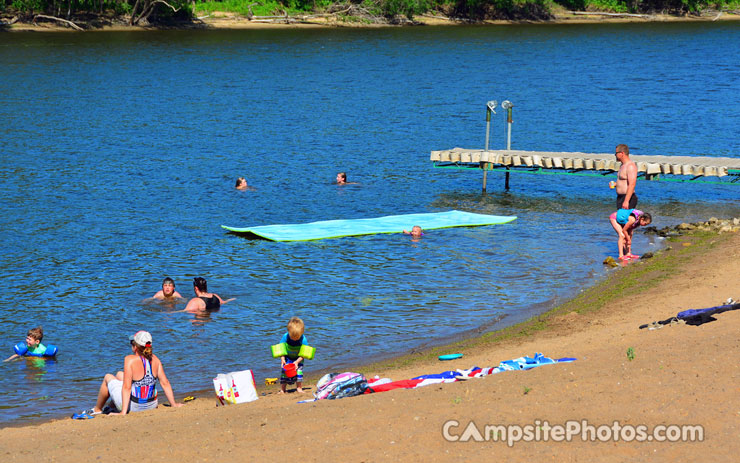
x=120, y=150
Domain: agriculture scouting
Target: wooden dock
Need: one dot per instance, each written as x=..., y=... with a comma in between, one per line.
x=649, y=167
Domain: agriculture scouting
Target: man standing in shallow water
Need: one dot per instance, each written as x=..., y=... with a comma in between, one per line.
x=626, y=179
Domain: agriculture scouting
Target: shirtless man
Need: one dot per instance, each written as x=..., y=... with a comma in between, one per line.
x=626, y=179
x=167, y=293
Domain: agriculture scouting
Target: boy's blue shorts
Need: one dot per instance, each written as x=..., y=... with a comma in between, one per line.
x=295, y=379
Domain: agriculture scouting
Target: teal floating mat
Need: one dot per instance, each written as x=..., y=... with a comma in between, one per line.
x=356, y=227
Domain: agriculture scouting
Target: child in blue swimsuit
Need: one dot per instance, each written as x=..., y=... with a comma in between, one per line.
x=624, y=222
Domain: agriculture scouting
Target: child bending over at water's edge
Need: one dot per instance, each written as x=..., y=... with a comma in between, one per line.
x=624, y=222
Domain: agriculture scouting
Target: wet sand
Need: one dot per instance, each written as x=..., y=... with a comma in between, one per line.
x=677, y=375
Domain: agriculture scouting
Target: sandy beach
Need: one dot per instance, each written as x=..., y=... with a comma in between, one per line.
x=676, y=375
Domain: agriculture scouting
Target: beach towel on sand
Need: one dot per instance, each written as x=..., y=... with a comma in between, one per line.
x=521, y=363
x=700, y=316
x=695, y=317
x=338, y=385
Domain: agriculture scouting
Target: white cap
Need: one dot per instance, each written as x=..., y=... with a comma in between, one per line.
x=141, y=338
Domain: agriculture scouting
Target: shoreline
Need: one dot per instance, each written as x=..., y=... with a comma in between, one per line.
x=576, y=317
x=467, y=338
x=232, y=21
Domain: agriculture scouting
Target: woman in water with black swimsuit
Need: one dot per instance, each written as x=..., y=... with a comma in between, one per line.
x=203, y=300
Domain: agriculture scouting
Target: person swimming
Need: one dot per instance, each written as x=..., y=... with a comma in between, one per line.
x=167, y=293
x=415, y=232
x=203, y=300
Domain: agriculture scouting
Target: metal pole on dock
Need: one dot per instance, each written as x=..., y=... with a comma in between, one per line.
x=508, y=105
x=490, y=108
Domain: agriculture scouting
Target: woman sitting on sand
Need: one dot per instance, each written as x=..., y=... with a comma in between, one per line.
x=134, y=395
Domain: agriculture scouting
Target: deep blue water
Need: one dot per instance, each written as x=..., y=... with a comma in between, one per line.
x=120, y=150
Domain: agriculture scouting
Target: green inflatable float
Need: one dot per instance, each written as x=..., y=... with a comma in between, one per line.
x=307, y=352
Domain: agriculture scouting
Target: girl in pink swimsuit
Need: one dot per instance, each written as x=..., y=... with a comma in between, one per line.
x=624, y=222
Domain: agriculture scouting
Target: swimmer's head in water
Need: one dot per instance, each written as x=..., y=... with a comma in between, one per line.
x=416, y=231
x=201, y=284
x=241, y=183
x=34, y=336
x=168, y=287
x=342, y=177
x=295, y=328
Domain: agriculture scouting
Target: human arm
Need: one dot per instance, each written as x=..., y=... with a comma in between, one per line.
x=282, y=361
x=128, y=375
x=195, y=304
x=166, y=386
x=158, y=295
x=298, y=360
x=224, y=301
x=629, y=227
x=12, y=357
x=631, y=181
x=406, y=232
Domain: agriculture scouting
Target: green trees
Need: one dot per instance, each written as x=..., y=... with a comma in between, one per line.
x=139, y=12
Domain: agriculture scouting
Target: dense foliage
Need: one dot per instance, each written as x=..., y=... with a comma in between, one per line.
x=157, y=11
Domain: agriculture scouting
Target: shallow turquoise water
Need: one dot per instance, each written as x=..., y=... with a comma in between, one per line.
x=120, y=152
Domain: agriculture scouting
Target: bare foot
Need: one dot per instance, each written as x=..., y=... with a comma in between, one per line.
x=281, y=392
x=299, y=390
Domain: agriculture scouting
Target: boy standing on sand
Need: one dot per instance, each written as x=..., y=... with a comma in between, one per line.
x=293, y=339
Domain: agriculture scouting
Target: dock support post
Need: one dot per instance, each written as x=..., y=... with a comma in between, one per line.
x=490, y=107
x=508, y=105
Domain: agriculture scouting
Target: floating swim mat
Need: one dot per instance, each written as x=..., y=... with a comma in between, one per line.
x=356, y=227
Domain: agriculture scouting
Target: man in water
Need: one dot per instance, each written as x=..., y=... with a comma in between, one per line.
x=167, y=293
x=241, y=184
x=626, y=179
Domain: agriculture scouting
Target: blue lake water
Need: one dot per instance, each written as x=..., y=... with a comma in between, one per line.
x=120, y=151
